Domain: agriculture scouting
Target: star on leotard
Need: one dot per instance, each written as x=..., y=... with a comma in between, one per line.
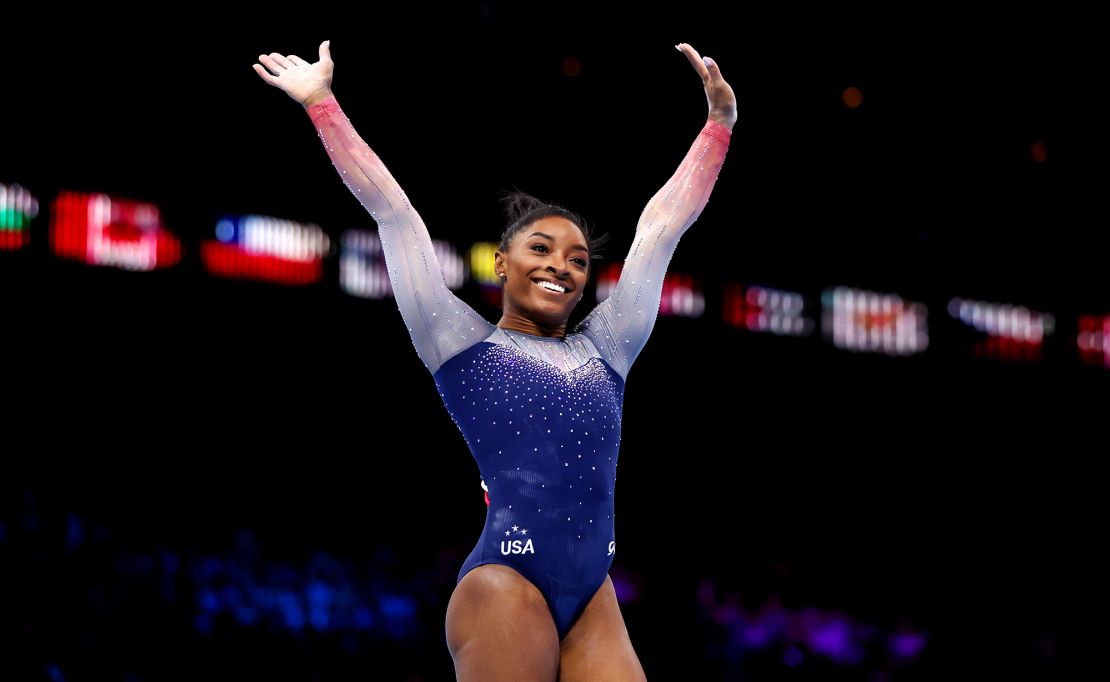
x=524, y=532
x=515, y=527
x=508, y=533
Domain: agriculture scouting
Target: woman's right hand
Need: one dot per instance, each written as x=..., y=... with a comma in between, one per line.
x=304, y=82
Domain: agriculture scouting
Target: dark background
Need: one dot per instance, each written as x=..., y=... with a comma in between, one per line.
x=161, y=423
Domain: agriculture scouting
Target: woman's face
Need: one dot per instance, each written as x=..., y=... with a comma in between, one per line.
x=552, y=249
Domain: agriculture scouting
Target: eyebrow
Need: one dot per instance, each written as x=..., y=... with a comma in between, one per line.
x=578, y=247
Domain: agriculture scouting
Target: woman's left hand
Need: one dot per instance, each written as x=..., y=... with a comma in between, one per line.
x=722, y=101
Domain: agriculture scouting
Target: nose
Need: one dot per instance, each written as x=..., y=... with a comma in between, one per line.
x=559, y=274
x=559, y=270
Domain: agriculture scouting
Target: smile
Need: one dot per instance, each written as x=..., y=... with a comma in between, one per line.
x=550, y=286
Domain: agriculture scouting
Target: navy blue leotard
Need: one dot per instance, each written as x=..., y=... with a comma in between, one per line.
x=541, y=415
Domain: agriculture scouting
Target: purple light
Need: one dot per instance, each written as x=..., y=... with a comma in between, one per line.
x=757, y=635
x=832, y=638
x=626, y=591
x=907, y=644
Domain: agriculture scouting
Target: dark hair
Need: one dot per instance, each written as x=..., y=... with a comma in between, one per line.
x=523, y=209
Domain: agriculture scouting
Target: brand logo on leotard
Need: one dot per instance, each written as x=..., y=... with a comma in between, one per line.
x=516, y=546
x=612, y=547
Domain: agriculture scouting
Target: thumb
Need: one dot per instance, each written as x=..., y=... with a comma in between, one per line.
x=325, y=50
x=714, y=70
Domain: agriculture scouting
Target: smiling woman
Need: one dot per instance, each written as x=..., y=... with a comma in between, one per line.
x=539, y=408
x=544, y=261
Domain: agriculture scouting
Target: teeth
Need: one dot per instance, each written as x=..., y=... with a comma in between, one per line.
x=552, y=287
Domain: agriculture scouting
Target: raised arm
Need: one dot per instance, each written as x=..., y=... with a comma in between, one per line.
x=620, y=325
x=439, y=323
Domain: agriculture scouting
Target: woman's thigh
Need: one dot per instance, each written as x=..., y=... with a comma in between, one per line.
x=500, y=628
x=597, y=646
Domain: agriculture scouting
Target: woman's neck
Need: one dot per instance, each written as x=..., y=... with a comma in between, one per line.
x=524, y=326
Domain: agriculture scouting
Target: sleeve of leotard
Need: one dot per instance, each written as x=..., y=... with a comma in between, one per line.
x=439, y=323
x=620, y=325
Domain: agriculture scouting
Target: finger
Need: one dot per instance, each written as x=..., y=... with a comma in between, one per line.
x=270, y=64
x=325, y=50
x=280, y=59
x=695, y=59
x=297, y=60
x=714, y=70
x=265, y=74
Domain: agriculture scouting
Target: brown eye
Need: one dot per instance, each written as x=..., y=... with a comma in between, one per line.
x=580, y=261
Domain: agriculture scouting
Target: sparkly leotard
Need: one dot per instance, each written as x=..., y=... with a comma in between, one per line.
x=541, y=415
